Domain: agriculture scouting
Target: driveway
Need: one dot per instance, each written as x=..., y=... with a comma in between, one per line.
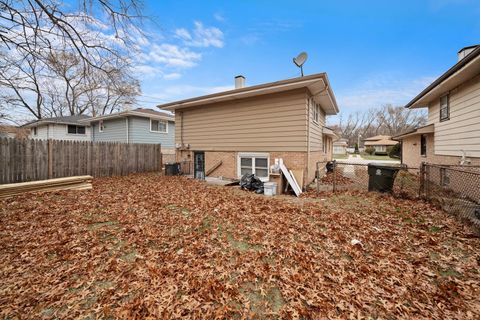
x=356, y=159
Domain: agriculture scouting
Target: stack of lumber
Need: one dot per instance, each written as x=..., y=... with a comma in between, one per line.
x=68, y=183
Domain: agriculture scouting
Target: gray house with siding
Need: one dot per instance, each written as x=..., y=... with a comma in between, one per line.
x=135, y=126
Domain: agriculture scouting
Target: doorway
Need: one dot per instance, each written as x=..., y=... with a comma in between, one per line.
x=199, y=165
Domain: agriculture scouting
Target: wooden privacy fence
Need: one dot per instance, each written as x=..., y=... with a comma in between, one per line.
x=29, y=160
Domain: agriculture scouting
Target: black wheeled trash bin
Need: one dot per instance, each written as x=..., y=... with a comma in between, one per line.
x=381, y=177
x=172, y=169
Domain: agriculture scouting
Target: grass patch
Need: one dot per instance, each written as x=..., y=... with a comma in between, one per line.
x=242, y=246
x=261, y=298
x=377, y=157
x=434, y=229
x=340, y=156
x=129, y=257
x=183, y=211
x=98, y=225
x=450, y=273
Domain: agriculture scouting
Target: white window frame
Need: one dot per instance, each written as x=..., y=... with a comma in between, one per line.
x=447, y=106
x=424, y=138
x=76, y=133
x=159, y=120
x=315, y=110
x=101, y=126
x=34, y=131
x=253, y=155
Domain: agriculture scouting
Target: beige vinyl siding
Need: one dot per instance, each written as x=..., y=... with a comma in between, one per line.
x=274, y=122
x=316, y=131
x=462, y=130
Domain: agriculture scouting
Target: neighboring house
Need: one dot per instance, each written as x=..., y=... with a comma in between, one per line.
x=452, y=133
x=379, y=143
x=136, y=126
x=8, y=131
x=59, y=128
x=340, y=146
x=244, y=130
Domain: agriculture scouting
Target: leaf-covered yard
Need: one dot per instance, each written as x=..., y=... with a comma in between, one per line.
x=169, y=247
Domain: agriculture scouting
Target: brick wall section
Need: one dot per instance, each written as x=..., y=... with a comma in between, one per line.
x=227, y=169
x=412, y=157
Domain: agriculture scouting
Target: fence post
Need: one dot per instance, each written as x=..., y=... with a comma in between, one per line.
x=421, y=189
x=426, y=182
x=317, y=174
x=334, y=176
x=50, y=158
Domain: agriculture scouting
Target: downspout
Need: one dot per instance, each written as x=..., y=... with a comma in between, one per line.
x=308, y=138
x=181, y=128
x=128, y=131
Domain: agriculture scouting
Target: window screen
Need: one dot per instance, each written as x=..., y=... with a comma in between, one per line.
x=423, y=145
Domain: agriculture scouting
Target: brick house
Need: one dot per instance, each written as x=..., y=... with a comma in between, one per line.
x=243, y=130
x=452, y=133
x=380, y=143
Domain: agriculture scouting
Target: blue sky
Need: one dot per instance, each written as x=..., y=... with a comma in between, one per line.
x=375, y=52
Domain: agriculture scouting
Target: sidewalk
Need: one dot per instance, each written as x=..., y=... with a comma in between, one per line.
x=356, y=158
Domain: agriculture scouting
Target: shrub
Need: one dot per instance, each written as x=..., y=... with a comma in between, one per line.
x=370, y=150
x=356, y=148
x=395, y=151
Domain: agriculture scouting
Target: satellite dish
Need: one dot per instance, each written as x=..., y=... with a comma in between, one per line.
x=300, y=60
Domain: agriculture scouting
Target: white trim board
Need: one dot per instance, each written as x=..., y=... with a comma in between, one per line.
x=291, y=180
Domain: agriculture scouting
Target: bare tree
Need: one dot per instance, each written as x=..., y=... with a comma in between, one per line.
x=54, y=59
x=387, y=120
x=358, y=123
x=30, y=25
x=394, y=120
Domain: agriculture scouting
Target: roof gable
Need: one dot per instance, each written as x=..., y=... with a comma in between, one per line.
x=139, y=112
x=462, y=71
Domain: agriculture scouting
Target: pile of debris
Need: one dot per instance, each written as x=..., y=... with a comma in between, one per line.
x=68, y=183
x=329, y=178
x=252, y=183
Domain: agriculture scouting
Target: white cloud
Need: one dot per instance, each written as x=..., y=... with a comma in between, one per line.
x=201, y=36
x=219, y=17
x=166, y=58
x=145, y=70
x=183, y=33
x=172, y=76
x=173, y=55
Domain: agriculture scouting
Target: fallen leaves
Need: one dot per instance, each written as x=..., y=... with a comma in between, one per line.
x=146, y=246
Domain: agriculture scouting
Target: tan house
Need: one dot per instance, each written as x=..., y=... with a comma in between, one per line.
x=244, y=130
x=379, y=143
x=452, y=133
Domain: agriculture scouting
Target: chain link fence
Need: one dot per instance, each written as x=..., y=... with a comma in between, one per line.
x=343, y=176
x=456, y=189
